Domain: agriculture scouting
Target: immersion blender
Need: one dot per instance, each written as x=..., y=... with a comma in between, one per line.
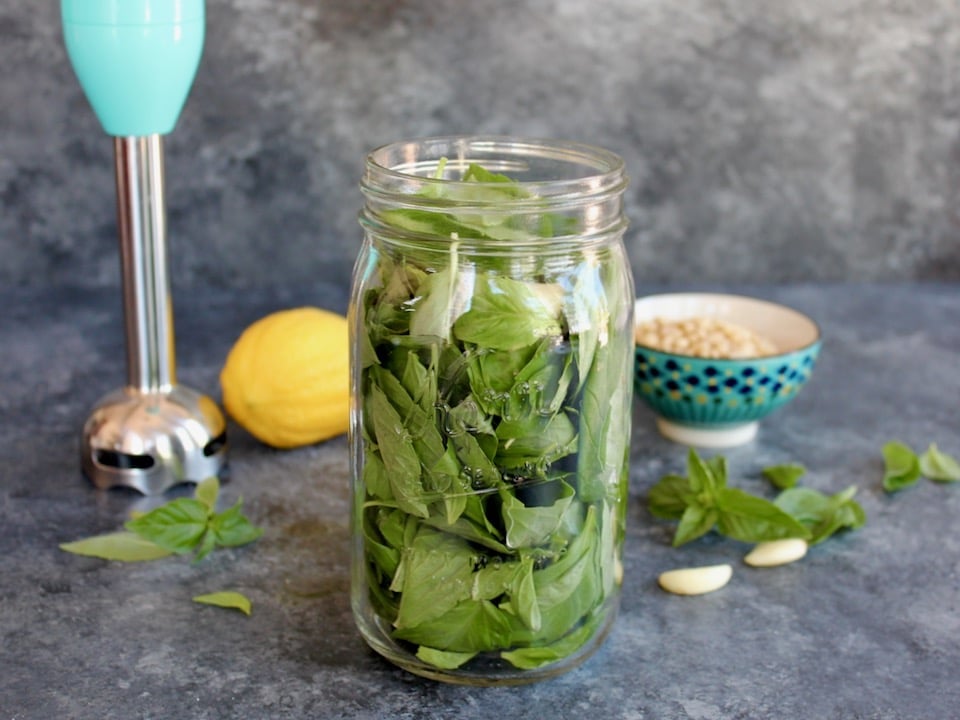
x=136, y=60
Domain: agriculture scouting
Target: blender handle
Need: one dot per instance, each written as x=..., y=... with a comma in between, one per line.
x=135, y=59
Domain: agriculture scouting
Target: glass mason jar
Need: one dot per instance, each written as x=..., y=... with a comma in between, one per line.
x=491, y=351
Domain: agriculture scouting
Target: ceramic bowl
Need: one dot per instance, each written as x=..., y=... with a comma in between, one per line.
x=707, y=402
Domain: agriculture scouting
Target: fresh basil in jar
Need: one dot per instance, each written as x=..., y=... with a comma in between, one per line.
x=491, y=350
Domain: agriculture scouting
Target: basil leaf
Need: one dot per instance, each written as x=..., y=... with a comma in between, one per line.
x=438, y=304
x=508, y=314
x=939, y=466
x=385, y=557
x=367, y=353
x=482, y=470
x=472, y=626
x=122, y=546
x=540, y=387
x=226, y=599
x=568, y=589
x=207, y=491
x=533, y=445
x=443, y=659
x=206, y=546
x=375, y=478
x=532, y=526
x=695, y=522
x=604, y=428
x=822, y=514
x=706, y=477
x=587, y=302
x=753, y=519
x=232, y=529
x=534, y=657
x=784, y=476
x=399, y=456
x=438, y=574
x=668, y=499
x=177, y=526
x=901, y=466
x=468, y=529
x=717, y=467
x=478, y=173
x=468, y=417
x=523, y=597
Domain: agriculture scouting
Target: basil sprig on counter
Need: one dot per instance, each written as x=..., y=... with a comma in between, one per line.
x=494, y=435
x=179, y=527
x=703, y=502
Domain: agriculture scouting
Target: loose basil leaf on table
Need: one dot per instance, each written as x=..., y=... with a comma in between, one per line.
x=784, y=476
x=124, y=546
x=229, y=599
x=901, y=466
x=822, y=514
x=939, y=466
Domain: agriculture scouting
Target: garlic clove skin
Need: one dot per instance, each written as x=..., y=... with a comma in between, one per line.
x=776, y=552
x=695, y=580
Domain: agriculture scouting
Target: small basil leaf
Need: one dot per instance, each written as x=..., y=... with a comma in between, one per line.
x=669, y=497
x=784, y=476
x=534, y=657
x=207, y=492
x=122, y=546
x=443, y=659
x=206, y=546
x=231, y=528
x=470, y=626
x=695, y=522
x=822, y=514
x=226, y=599
x=176, y=526
x=717, y=466
x=939, y=466
x=438, y=574
x=399, y=456
x=753, y=519
x=508, y=314
x=532, y=526
x=703, y=475
x=901, y=466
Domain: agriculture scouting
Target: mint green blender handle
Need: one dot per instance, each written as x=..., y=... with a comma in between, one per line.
x=135, y=59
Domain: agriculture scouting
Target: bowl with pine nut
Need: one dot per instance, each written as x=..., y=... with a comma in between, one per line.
x=712, y=365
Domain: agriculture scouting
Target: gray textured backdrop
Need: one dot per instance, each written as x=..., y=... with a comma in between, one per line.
x=767, y=140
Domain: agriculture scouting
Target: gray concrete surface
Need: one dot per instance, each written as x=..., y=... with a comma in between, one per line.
x=767, y=141
x=866, y=626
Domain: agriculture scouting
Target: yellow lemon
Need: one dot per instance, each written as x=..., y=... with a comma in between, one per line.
x=286, y=380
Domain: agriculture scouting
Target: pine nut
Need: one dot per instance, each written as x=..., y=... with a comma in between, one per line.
x=703, y=337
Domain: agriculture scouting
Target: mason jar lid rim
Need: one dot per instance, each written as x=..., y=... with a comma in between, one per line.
x=612, y=162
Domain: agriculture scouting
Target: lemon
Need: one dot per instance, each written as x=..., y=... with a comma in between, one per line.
x=286, y=380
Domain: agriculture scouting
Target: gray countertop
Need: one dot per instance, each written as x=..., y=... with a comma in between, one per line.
x=866, y=626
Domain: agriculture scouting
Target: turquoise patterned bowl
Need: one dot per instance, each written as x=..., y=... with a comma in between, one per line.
x=707, y=402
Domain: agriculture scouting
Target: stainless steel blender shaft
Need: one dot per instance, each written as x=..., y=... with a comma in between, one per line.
x=141, y=216
x=151, y=434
